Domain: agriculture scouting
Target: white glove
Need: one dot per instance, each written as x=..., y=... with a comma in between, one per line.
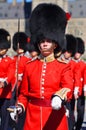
x=56, y=103
x=14, y=112
x=76, y=90
x=67, y=112
x=84, y=88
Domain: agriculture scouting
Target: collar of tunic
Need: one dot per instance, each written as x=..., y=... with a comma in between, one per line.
x=49, y=58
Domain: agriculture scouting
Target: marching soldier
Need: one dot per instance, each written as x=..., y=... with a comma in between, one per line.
x=21, y=47
x=6, y=78
x=78, y=82
x=66, y=58
x=46, y=83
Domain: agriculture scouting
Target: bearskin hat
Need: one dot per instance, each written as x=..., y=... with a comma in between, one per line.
x=71, y=44
x=48, y=21
x=80, y=46
x=22, y=39
x=30, y=48
x=5, y=39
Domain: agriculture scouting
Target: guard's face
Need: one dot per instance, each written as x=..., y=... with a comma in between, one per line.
x=67, y=55
x=46, y=47
x=20, y=51
x=77, y=56
x=34, y=54
x=3, y=52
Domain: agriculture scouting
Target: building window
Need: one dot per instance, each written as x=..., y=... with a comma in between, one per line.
x=1, y=14
x=71, y=6
x=80, y=6
x=16, y=14
x=6, y=15
x=1, y=7
x=3, y=0
x=81, y=13
x=18, y=7
x=9, y=7
x=18, y=1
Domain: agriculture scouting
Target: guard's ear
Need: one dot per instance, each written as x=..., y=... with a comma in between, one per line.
x=55, y=46
x=39, y=47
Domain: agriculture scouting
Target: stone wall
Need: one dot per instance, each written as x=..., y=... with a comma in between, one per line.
x=11, y=25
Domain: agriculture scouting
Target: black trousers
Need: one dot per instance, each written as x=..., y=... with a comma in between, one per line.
x=71, y=120
x=80, y=112
x=4, y=114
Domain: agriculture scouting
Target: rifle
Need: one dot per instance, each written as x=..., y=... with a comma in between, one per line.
x=17, y=65
x=75, y=110
x=15, y=89
x=84, y=118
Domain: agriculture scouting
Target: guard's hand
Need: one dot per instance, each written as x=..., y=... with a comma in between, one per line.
x=67, y=112
x=85, y=93
x=76, y=96
x=1, y=84
x=56, y=102
x=14, y=112
x=84, y=89
x=76, y=92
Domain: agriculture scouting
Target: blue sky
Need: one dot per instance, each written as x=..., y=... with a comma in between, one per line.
x=9, y=1
x=27, y=0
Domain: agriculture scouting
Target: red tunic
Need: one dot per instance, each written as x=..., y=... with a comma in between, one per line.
x=78, y=72
x=84, y=77
x=79, y=81
x=20, y=63
x=41, y=80
x=6, y=74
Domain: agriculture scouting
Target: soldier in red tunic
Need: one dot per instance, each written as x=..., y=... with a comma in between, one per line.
x=46, y=83
x=20, y=40
x=66, y=58
x=78, y=82
x=6, y=77
x=21, y=47
x=23, y=50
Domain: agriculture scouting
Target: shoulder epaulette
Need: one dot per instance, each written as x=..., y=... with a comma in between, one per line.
x=33, y=59
x=62, y=61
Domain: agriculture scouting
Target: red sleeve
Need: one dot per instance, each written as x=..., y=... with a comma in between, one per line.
x=11, y=71
x=23, y=96
x=84, y=76
x=67, y=80
x=77, y=75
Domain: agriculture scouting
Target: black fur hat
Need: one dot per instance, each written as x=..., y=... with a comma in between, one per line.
x=30, y=47
x=22, y=39
x=48, y=21
x=5, y=39
x=81, y=45
x=71, y=44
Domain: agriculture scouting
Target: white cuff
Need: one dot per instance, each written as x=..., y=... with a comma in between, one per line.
x=56, y=103
x=76, y=90
x=84, y=88
x=20, y=74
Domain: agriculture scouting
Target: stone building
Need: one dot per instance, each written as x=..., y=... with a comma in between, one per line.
x=13, y=13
